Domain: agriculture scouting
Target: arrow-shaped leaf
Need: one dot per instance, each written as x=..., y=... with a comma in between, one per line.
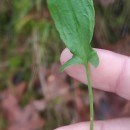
x=74, y=20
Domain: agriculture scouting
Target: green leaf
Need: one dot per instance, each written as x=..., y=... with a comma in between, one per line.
x=74, y=20
x=72, y=61
x=94, y=59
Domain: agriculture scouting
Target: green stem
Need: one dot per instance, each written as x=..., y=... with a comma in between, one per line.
x=90, y=96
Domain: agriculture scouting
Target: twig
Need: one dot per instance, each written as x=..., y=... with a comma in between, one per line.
x=38, y=55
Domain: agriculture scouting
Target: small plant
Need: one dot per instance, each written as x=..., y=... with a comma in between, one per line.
x=74, y=20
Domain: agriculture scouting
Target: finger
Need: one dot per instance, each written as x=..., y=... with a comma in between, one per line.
x=118, y=124
x=112, y=73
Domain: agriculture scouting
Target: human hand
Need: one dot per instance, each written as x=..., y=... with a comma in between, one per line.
x=112, y=75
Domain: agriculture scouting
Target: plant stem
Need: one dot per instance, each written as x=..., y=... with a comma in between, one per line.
x=90, y=96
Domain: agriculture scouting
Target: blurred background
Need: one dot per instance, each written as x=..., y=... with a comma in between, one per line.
x=34, y=95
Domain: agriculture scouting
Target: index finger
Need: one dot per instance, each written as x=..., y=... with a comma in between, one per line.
x=112, y=73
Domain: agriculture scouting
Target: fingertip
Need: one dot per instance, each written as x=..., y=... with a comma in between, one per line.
x=78, y=126
x=63, y=128
x=107, y=75
x=65, y=56
x=115, y=124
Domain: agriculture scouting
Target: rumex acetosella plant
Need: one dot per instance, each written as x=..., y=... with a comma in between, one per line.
x=75, y=20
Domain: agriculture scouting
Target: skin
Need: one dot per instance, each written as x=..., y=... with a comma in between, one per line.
x=112, y=75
